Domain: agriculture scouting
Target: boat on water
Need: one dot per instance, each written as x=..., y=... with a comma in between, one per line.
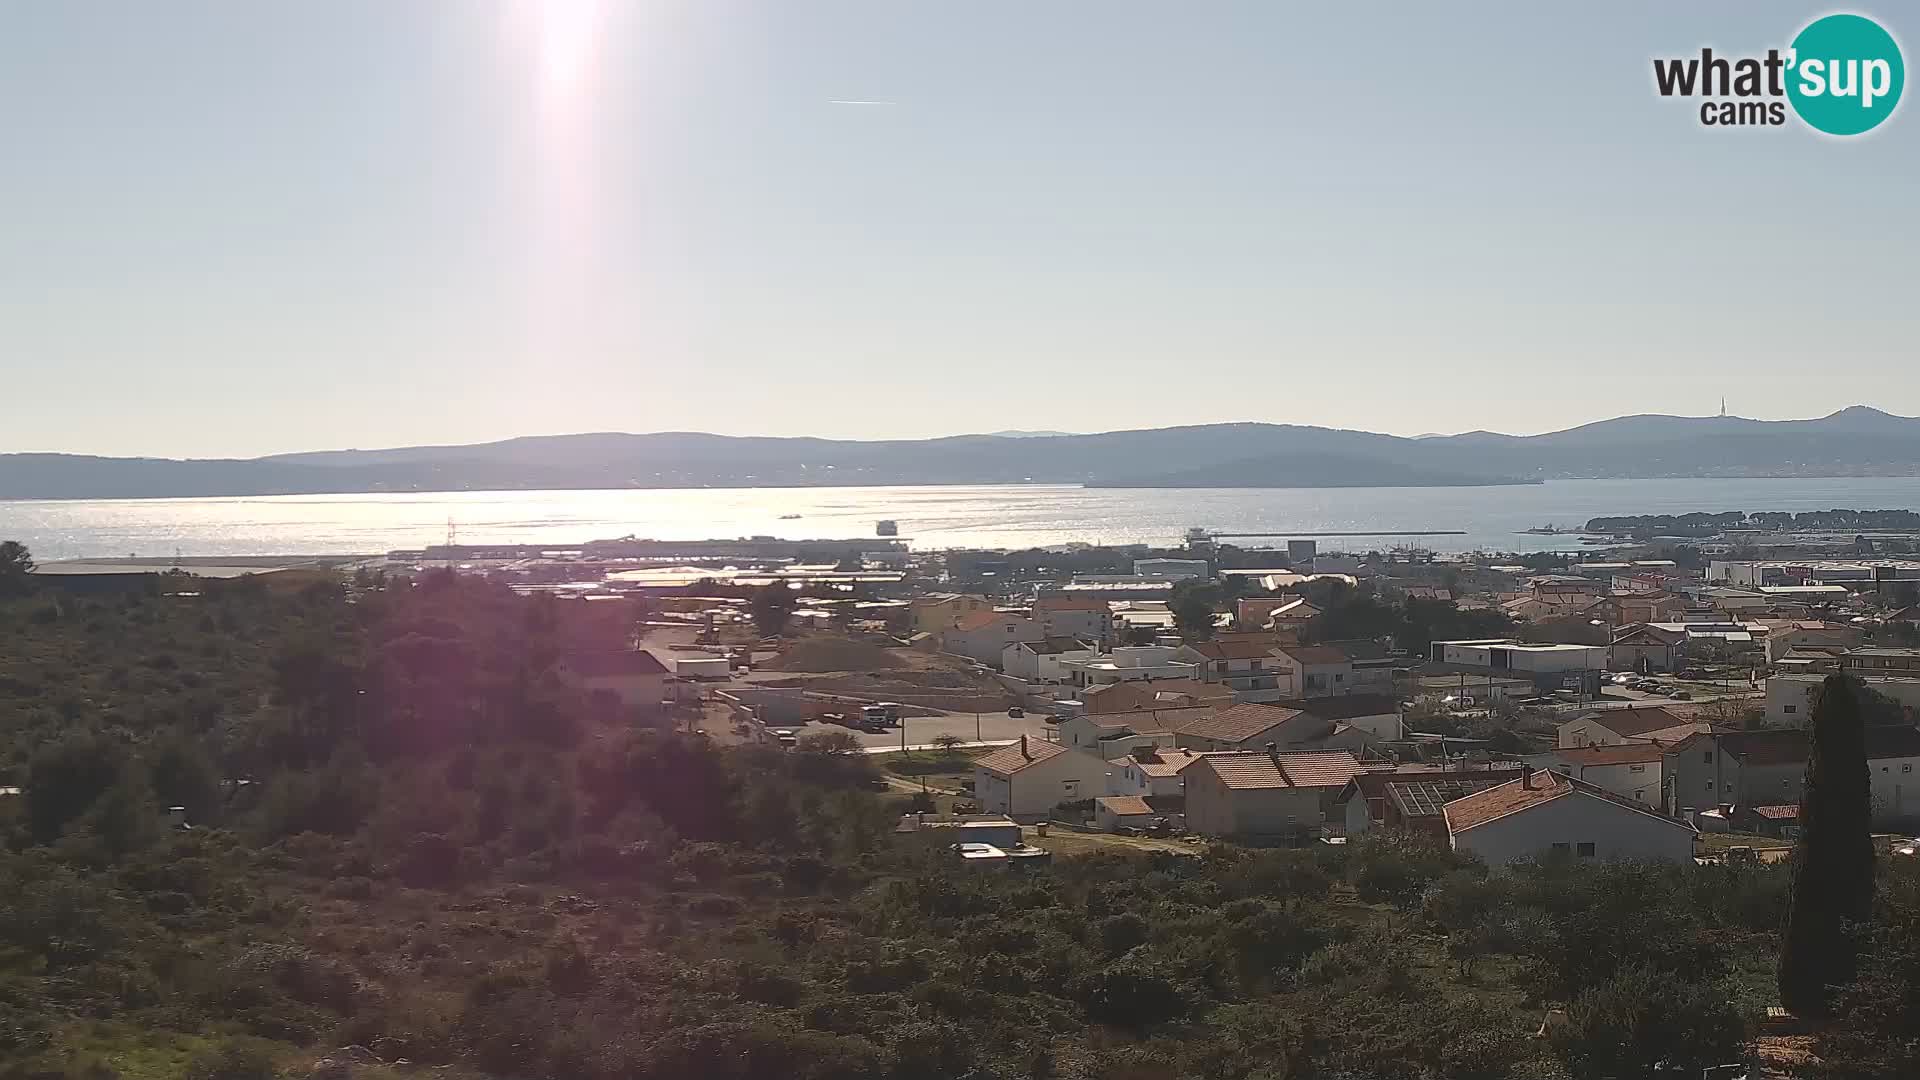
x=789, y=517
x=1548, y=530
x=886, y=527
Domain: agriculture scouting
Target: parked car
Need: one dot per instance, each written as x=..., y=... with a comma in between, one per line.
x=1016, y=712
x=1681, y=695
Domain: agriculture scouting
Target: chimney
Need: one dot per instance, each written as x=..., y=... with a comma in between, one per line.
x=1023, y=746
x=1273, y=751
x=1526, y=775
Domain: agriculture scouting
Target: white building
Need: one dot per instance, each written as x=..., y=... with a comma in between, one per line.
x=1040, y=661
x=1171, y=569
x=1551, y=667
x=1611, y=727
x=1129, y=663
x=1630, y=770
x=985, y=635
x=1545, y=813
x=1030, y=777
x=1248, y=666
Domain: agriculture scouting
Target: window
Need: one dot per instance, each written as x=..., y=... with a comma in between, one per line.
x=1338, y=677
x=1009, y=628
x=1636, y=768
x=1561, y=848
x=1219, y=665
x=1709, y=785
x=1585, y=851
x=1259, y=665
x=1790, y=709
x=1070, y=789
x=1706, y=757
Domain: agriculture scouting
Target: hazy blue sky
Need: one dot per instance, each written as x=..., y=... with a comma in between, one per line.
x=241, y=227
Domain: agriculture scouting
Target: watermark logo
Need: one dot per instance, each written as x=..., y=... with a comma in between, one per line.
x=1841, y=75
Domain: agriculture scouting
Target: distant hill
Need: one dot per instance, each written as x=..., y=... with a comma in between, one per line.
x=1854, y=441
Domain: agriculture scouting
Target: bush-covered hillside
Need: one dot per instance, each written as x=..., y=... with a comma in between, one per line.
x=446, y=859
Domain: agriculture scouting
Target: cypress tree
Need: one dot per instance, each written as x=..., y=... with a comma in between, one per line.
x=1832, y=890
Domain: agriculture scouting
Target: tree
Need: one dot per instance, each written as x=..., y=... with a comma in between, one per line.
x=16, y=562
x=771, y=608
x=1193, y=603
x=1832, y=893
x=947, y=742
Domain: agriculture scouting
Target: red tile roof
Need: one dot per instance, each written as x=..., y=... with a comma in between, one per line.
x=1316, y=654
x=1782, y=812
x=1237, y=723
x=1150, y=721
x=1167, y=762
x=1629, y=722
x=975, y=620
x=1123, y=805
x=1623, y=754
x=1543, y=786
x=1146, y=694
x=1026, y=752
x=1253, y=769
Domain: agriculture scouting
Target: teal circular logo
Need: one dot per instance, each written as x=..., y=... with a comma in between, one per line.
x=1845, y=74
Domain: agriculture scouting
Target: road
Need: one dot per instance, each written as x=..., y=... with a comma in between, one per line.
x=918, y=732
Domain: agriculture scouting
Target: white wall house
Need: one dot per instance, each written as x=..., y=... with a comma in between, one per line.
x=1545, y=813
x=1040, y=661
x=985, y=635
x=1130, y=663
x=1246, y=666
x=1030, y=777
x=1630, y=770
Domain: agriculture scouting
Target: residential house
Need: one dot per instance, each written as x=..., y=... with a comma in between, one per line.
x=1249, y=726
x=935, y=613
x=1628, y=769
x=1644, y=647
x=1111, y=813
x=1640, y=608
x=1075, y=615
x=1890, y=672
x=1611, y=727
x=1154, y=694
x=1150, y=770
x=1130, y=663
x=985, y=635
x=1259, y=794
x=1264, y=612
x=1113, y=734
x=1784, y=637
x=1030, y=777
x=1780, y=820
x=1715, y=770
x=1318, y=670
x=1545, y=812
x=1363, y=804
x=1419, y=805
x=1378, y=715
x=1039, y=661
x=1244, y=664
x=635, y=676
x=1429, y=592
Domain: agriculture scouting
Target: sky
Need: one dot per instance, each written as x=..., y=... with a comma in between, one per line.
x=230, y=228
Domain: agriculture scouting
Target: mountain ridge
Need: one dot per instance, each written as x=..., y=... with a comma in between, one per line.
x=1858, y=440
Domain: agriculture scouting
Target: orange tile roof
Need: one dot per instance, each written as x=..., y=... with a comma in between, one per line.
x=1543, y=786
x=1237, y=723
x=1316, y=654
x=1638, y=721
x=1124, y=805
x=1145, y=693
x=1011, y=759
x=1623, y=754
x=1168, y=762
x=1150, y=721
x=974, y=620
x=1252, y=769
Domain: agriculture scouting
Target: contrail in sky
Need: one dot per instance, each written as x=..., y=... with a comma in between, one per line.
x=847, y=101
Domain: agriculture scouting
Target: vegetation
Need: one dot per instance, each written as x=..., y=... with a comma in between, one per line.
x=410, y=837
x=1833, y=864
